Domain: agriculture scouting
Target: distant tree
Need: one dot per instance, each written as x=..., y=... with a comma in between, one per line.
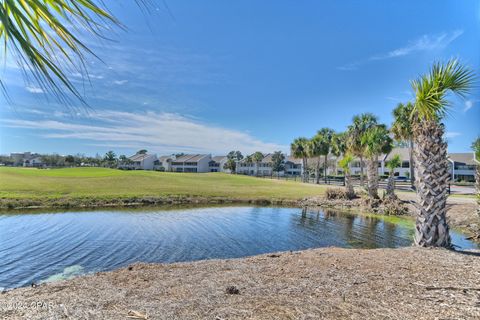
x=278, y=162
x=6, y=160
x=299, y=149
x=395, y=162
x=355, y=132
x=110, y=159
x=142, y=151
x=70, y=160
x=402, y=130
x=376, y=140
x=177, y=155
x=344, y=163
x=231, y=165
x=257, y=157
x=122, y=159
x=235, y=155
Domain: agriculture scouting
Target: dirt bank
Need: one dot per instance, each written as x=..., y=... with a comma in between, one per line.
x=331, y=283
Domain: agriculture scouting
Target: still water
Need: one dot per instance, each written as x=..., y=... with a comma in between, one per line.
x=51, y=246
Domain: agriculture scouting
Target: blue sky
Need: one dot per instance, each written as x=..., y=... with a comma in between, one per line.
x=212, y=76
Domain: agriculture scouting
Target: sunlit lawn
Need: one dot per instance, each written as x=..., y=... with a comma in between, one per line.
x=110, y=183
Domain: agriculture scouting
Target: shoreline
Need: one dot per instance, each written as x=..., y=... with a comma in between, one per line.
x=460, y=212
x=331, y=283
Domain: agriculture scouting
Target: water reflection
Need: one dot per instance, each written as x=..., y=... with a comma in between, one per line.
x=34, y=247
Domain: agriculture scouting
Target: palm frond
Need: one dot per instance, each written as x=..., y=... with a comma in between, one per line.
x=432, y=88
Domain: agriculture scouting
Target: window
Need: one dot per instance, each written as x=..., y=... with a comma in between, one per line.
x=405, y=164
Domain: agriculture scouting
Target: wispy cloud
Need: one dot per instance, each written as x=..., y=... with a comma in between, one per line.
x=452, y=134
x=34, y=89
x=468, y=105
x=427, y=42
x=158, y=132
x=120, y=82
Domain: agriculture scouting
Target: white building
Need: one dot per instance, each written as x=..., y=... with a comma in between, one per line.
x=462, y=166
x=293, y=166
x=140, y=161
x=33, y=162
x=217, y=164
x=404, y=169
x=191, y=163
x=164, y=163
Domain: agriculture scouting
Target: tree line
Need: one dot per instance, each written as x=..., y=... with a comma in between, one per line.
x=417, y=124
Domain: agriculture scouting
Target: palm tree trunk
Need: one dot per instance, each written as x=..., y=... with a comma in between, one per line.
x=325, y=168
x=317, y=172
x=391, y=185
x=432, y=174
x=304, y=178
x=372, y=177
x=477, y=186
x=361, y=171
x=349, y=186
x=411, y=165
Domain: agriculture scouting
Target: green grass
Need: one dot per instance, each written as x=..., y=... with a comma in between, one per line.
x=25, y=183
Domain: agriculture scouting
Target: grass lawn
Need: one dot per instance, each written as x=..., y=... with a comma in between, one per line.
x=29, y=183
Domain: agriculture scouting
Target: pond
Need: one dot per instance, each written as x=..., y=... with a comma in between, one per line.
x=37, y=247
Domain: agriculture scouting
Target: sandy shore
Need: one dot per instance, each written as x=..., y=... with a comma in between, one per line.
x=331, y=283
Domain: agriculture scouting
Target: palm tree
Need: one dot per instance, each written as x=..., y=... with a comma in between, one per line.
x=326, y=136
x=402, y=131
x=257, y=157
x=476, y=150
x=393, y=163
x=360, y=124
x=249, y=160
x=430, y=149
x=376, y=140
x=339, y=146
x=316, y=149
x=299, y=149
x=345, y=165
x=44, y=36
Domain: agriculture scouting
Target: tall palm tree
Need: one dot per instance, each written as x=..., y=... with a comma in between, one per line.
x=376, y=140
x=257, y=157
x=393, y=163
x=402, y=131
x=360, y=124
x=430, y=149
x=339, y=146
x=345, y=165
x=299, y=149
x=316, y=149
x=325, y=135
x=476, y=150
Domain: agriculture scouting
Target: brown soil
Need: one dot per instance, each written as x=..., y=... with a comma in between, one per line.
x=328, y=283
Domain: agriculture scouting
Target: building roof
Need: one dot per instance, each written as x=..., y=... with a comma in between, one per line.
x=404, y=154
x=191, y=157
x=140, y=156
x=465, y=158
x=164, y=158
x=218, y=158
x=293, y=160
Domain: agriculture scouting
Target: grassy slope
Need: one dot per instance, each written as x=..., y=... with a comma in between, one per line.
x=23, y=183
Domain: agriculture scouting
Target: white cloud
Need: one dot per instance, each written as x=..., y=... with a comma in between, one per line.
x=120, y=82
x=468, y=105
x=34, y=89
x=452, y=134
x=426, y=42
x=158, y=132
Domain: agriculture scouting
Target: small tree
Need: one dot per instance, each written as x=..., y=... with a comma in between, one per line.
x=70, y=160
x=395, y=162
x=142, y=151
x=231, y=165
x=110, y=158
x=278, y=162
x=300, y=149
x=345, y=165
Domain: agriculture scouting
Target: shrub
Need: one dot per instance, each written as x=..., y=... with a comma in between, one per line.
x=336, y=194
